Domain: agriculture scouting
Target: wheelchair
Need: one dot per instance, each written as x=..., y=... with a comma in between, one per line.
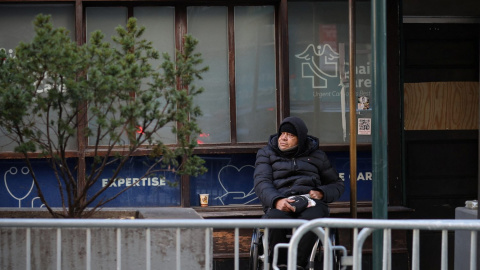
x=257, y=256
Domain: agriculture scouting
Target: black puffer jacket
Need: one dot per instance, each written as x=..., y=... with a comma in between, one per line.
x=279, y=175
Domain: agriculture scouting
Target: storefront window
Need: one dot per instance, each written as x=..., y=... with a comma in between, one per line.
x=160, y=30
x=255, y=102
x=319, y=69
x=209, y=26
x=255, y=73
x=16, y=25
x=105, y=19
x=253, y=58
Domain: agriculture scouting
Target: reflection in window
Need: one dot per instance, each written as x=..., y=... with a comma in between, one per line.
x=16, y=25
x=209, y=26
x=319, y=65
x=105, y=19
x=160, y=30
x=255, y=73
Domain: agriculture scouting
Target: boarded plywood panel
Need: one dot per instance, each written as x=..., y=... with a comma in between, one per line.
x=441, y=106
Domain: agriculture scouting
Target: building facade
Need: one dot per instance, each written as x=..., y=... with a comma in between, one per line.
x=266, y=59
x=274, y=58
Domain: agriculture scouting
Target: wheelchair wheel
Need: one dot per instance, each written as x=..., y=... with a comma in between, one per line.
x=256, y=250
x=335, y=254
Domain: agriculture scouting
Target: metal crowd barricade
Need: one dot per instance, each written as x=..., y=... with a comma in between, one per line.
x=362, y=228
x=367, y=226
x=147, y=225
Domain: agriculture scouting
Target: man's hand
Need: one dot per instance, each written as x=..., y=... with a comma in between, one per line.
x=284, y=205
x=315, y=194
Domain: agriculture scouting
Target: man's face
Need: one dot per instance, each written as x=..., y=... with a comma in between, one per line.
x=287, y=141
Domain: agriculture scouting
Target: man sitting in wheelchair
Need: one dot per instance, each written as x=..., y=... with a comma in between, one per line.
x=295, y=180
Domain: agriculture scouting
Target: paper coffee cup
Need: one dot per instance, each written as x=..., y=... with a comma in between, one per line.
x=204, y=200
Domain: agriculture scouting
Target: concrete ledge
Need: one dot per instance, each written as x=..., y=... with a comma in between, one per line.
x=104, y=244
x=168, y=213
x=43, y=213
x=120, y=213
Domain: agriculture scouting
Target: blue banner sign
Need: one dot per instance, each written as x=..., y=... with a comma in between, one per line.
x=341, y=161
x=229, y=181
x=17, y=188
x=157, y=189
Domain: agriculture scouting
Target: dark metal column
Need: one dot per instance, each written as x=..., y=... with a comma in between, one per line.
x=379, y=124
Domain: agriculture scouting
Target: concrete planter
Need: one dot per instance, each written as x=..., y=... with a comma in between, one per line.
x=104, y=247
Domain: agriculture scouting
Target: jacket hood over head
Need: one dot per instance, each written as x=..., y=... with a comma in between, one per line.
x=302, y=133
